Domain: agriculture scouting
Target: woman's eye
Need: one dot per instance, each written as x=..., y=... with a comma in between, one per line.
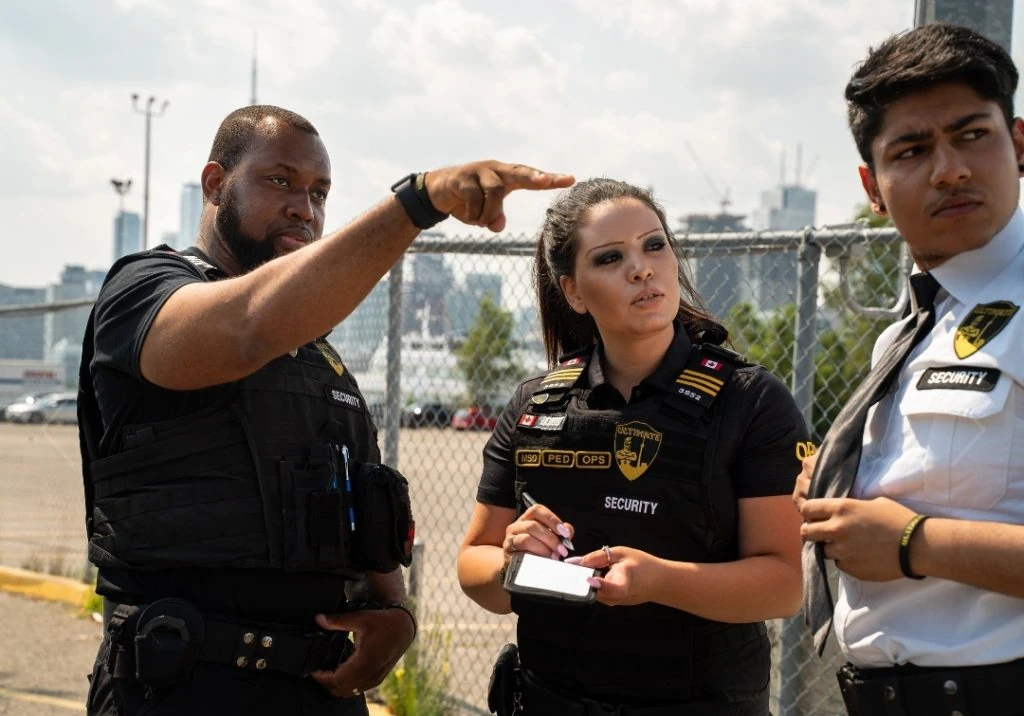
x=608, y=258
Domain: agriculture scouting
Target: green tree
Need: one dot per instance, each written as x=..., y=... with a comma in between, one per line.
x=485, y=358
x=843, y=351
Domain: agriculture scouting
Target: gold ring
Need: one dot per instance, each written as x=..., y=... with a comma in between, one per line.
x=607, y=553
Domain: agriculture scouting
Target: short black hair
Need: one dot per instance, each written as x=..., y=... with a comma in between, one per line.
x=239, y=129
x=920, y=59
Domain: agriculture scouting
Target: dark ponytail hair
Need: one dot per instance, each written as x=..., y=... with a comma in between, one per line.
x=565, y=330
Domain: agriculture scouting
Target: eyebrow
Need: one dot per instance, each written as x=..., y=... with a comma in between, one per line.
x=615, y=243
x=954, y=126
x=292, y=170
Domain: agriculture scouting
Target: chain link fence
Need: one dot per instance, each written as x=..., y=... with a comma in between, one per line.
x=438, y=347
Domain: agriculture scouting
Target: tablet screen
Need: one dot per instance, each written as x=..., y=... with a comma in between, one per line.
x=551, y=575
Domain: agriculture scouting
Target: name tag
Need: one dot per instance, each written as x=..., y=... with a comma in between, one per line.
x=342, y=398
x=956, y=377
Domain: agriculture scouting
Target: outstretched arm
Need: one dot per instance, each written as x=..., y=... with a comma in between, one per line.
x=211, y=333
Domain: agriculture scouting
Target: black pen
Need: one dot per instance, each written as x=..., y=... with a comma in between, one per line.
x=530, y=502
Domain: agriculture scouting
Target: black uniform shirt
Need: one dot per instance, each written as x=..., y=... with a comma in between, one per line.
x=125, y=309
x=760, y=428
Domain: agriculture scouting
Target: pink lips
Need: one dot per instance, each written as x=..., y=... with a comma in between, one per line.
x=647, y=297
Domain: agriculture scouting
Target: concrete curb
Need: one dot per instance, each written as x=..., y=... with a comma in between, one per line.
x=45, y=586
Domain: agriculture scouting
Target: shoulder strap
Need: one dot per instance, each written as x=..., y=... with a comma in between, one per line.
x=707, y=371
x=553, y=389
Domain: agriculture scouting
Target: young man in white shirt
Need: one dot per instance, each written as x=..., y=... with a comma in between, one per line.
x=929, y=539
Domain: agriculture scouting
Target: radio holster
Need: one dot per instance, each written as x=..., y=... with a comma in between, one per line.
x=505, y=690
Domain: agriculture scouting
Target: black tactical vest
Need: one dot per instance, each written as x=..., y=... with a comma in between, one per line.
x=257, y=480
x=642, y=477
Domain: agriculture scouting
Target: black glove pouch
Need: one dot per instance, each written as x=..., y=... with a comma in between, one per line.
x=385, y=529
x=505, y=690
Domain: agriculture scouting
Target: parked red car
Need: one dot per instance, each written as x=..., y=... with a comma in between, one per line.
x=475, y=418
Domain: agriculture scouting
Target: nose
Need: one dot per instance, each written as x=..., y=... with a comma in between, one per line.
x=949, y=168
x=641, y=270
x=300, y=207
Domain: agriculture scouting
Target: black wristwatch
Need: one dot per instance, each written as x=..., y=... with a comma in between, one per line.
x=411, y=191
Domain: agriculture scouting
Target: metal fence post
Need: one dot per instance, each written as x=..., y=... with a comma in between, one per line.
x=393, y=390
x=415, y=572
x=794, y=646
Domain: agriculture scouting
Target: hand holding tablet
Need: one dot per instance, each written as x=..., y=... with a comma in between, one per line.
x=547, y=579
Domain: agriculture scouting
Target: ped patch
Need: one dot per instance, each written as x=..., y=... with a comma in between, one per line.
x=957, y=377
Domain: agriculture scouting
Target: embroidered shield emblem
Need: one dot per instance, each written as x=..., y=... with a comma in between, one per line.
x=330, y=355
x=981, y=325
x=636, y=446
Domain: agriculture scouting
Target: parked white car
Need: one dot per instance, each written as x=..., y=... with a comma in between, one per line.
x=55, y=408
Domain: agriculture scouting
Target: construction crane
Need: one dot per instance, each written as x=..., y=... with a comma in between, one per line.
x=722, y=197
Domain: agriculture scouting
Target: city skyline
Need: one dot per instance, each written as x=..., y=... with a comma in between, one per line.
x=612, y=90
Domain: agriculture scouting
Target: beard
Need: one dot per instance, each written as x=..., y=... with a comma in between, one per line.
x=248, y=251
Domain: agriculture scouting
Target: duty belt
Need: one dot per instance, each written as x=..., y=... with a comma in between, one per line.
x=242, y=644
x=539, y=699
x=990, y=690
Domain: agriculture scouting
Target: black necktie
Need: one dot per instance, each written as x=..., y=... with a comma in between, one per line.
x=839, y=455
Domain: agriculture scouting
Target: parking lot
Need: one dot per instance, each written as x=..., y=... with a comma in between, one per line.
x=42, y=527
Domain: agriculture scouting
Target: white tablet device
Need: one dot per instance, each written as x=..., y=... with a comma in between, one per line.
x=548, y=579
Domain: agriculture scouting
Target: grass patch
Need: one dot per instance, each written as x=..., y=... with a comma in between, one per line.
x=418, y=685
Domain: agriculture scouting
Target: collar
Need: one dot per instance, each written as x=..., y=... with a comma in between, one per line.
x=665, y=374
x=967, y=274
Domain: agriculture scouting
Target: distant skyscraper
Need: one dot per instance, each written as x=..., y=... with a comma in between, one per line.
x=717, y=278
x=771, y=277
x=65, y=329
x=21, y=337
x=127, y=234
x=424, y=296
x=358, y=336
x=191, y=211
x=464, y=304
x=992, y=18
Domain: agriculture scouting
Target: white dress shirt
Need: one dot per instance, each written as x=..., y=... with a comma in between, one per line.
x=947, y=443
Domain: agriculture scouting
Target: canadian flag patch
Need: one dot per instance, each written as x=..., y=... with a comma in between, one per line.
x=712, y=364
x=527, y=420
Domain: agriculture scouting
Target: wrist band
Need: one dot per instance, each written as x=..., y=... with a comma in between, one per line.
x=373, y=605
x=908, y=534
x=411, y=192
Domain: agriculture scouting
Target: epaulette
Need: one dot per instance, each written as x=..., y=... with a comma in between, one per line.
x=707, y=371
x=553, y=389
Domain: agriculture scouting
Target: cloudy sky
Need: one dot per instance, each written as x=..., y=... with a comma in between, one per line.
x=591, y=87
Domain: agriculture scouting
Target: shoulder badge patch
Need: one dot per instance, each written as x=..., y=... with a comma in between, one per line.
x=636, y=446
x=982, y=324
x=330, y=355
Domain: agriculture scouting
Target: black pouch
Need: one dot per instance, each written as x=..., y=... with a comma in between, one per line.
x=505, y=689
x=384, y=527
x=168, y=636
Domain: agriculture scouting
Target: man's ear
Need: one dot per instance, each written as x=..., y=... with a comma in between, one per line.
x=212, y=180
x=572, y=296
x=1017, y=135
x=867, y=180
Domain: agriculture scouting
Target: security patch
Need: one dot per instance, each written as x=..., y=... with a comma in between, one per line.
x=636, y=446
x=959, y=377
x=343, y=398
x=981, y=325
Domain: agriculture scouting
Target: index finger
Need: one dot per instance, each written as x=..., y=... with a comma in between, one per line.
x=544, y=516
x=520, y=176
x=821, y=508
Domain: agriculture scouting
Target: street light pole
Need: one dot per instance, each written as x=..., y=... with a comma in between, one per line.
x=149, y=114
